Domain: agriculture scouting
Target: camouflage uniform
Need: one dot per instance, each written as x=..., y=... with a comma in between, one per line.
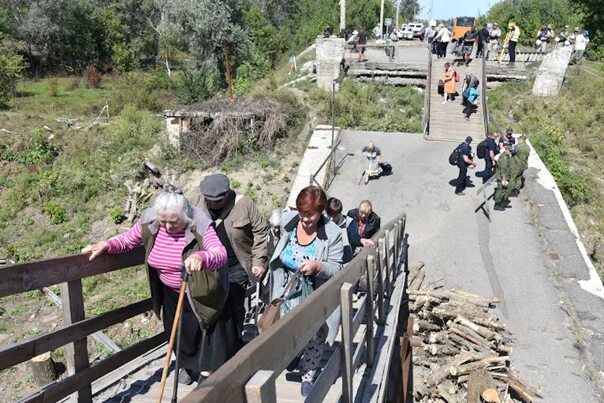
x=520, y=165
x=503, y=169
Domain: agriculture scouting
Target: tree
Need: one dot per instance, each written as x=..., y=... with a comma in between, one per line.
x=409, y=9
x=11, y=69
x=594, y=20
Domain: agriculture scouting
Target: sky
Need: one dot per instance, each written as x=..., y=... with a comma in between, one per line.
x=445, y=9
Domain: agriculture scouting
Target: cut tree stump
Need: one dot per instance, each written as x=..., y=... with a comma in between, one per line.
x=478, y=382
x=43, y=369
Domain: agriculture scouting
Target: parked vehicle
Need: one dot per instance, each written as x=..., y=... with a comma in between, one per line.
x=406, y=33
x=461, y=25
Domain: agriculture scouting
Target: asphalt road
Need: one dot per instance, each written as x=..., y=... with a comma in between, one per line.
x=508, y=257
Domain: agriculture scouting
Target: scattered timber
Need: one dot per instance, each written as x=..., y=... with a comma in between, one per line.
x=466, y=351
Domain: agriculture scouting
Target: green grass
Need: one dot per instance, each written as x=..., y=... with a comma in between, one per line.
x=566, y=131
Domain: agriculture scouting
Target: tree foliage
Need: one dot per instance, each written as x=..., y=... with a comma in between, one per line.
x=531, y=15
x=409, y=9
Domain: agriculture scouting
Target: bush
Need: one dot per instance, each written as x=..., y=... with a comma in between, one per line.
x=73, y=84
x=56, y=212
x=123, y=58
x=196, y=85
x=92, y=78
x=11, y=70
x=53, y=86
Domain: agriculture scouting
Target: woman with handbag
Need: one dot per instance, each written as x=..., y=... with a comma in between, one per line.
x=311, y=249
x=173, y=232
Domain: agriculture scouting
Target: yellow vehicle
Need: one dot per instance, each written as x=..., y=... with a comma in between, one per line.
x=461, y=25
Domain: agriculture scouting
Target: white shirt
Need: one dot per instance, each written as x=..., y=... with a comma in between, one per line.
x=580, y=42
x=444, y=35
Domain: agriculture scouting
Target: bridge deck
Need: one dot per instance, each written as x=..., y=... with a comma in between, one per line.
x=447, y=121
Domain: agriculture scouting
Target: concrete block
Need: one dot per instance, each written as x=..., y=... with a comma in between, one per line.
x=330, y=53
x=551, y=72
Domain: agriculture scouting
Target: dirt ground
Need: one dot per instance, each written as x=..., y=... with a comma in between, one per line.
x=267, y=180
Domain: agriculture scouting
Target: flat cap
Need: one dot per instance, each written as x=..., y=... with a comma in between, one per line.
x=214, y=187
x=469, y=139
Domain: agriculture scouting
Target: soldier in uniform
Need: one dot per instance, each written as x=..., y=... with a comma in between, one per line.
x=503, y=171
x=520, y=163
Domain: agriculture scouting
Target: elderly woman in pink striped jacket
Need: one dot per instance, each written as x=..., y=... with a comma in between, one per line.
x=174, y=234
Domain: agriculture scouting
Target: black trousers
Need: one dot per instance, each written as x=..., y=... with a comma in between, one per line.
x=479, y=49
x=469, y=109
x=488, y=169
x=461, y=179
x=512, y=51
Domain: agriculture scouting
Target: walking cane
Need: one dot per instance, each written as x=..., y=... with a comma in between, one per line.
x=175, y=328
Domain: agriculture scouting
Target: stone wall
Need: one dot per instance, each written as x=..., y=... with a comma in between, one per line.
x=330, y=53
x=551, y=72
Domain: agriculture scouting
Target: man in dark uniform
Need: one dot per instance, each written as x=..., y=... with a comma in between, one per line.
x=492, y=149
x=465, y=159
x=508, y=140
x=483, y=38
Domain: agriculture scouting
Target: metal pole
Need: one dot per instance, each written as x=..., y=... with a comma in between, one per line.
x=398, y=3
x=382, y=19
x=333, y=125
x=342, y=15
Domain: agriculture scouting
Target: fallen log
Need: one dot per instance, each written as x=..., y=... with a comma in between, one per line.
x=481, y=330
x=458, y=370
x=478, y=382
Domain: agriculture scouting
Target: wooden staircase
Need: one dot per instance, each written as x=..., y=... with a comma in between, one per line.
x=446, y=121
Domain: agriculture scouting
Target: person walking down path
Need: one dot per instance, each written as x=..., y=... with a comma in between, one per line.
x=464, y=160
x=494, y=38
x=242, y=230
x=442, y=39
x=450, y=89
x=361, y=43
x=171, y=231
x=468, y=40
x=470, y=100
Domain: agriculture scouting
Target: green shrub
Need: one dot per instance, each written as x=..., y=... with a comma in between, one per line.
x=11, y=70
x=40, y=151
x=116, y=215
x=194, y=85
x=73, y=84
x=56, y=212
x=123, y=58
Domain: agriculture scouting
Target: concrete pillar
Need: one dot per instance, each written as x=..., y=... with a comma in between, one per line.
x=173, y=130
x=551, y=72
x=330, y=53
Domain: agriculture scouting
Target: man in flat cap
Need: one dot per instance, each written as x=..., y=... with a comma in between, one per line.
x=241, y=229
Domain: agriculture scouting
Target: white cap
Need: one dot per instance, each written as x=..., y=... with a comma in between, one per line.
x=432, y=23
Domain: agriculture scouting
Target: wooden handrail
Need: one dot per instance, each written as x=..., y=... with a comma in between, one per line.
x=427, y=95
x=45, y=273
x=275, y=348
x=25, y=350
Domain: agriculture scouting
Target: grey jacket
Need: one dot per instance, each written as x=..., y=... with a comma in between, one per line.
x=330, y=250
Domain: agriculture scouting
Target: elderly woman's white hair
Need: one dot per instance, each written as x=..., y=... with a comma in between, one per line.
x=175, y=203
x=275, y=218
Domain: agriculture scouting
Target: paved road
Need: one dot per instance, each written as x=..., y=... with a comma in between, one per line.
x=506, y=257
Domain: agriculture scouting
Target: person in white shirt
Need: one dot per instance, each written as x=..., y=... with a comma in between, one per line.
x=494, y=37
x=442, y=40
x=581, y=41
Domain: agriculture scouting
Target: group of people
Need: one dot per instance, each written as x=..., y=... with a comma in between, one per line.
x=438, y=39
x=223, y=242
x=470, y=93
x=505, y=157
x=578, y=39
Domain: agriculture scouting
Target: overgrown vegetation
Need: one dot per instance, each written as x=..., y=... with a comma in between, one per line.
x=372, y=107
x=567, y=132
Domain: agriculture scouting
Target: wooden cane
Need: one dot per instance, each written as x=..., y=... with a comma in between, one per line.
x=164, y=375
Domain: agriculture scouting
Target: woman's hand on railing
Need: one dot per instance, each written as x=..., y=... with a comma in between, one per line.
x=96, y=249
x=367, y=242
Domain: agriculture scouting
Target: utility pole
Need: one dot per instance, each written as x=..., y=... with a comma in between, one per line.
x=382, y=18
x=398, y=4
x=342, y=15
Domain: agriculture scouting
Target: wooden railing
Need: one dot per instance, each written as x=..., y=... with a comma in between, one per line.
x=250, y=375
x=427, y=95
x=69, y=272
x=483, y=95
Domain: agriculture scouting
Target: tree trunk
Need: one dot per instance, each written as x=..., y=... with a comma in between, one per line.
x=478, y=382
x=43, y=369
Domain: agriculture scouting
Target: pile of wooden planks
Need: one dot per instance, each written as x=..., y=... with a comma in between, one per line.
x=465, y=353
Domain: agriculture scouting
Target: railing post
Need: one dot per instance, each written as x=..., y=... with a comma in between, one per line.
x=395, y=254
x=261, y=388
x=369, y=310
x=388, y=262
x=77, y=352
x=347, y=338
x=380, y=285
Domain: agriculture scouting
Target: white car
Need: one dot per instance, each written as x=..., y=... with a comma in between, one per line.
x=416, y=27
x=406, y=33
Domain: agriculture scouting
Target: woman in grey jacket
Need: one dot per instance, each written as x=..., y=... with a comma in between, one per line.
x=310, y=242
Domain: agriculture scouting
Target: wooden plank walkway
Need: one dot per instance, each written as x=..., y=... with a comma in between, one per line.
x=447, y=122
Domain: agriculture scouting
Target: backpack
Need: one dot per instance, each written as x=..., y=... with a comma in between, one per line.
x=466, y=93
x=454, y=157
x=457, y=76
x=481, y=149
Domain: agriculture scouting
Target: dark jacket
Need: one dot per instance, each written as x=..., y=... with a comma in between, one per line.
x=372, y=224
x=208, y=289
x=246, y=230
